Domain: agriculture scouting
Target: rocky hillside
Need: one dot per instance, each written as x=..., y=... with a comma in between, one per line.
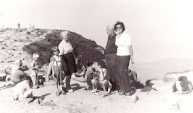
x=21, y=44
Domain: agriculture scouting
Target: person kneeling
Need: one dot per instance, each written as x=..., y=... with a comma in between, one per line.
x=99, y=80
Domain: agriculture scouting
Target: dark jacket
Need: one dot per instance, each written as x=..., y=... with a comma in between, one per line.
x=111, y=47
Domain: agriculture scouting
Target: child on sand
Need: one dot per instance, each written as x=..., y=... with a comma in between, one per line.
x=34, y=69
x=57, y=70
x=17, y=72
x=23, y=89
x=99, y=79
x=182, y=85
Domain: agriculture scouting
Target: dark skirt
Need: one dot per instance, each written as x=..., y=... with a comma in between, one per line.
x=70, y=63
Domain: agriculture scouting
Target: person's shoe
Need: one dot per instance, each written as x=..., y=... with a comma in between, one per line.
x=70, y=91
x=121, y=92
x=131, y=92
x=87, y=88
x=58, y=93
x=128, y=94
x=63, y=92
x=47, y=80
x=94, y=91
x=35, y=87
x=40, y=100
x=109, y=92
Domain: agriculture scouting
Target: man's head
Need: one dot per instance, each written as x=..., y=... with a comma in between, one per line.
x=110, y=30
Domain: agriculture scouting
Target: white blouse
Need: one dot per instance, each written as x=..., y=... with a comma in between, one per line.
x=123, y=43
x=65, y=47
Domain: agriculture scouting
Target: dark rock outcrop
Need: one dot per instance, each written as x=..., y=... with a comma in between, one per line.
x=86, y=50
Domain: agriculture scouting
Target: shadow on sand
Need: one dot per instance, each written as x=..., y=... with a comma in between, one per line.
x=6, y=87
x=76, y=86
x=39, y=98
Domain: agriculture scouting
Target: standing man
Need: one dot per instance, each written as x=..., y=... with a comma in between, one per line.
x=110, y=57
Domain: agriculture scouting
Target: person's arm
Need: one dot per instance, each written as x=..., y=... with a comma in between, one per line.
x=81, y=74
x=128, y=42
x=102, y=75
x=80, y=79
x=61, y=48
x=34, y=65
x=49, y=71
x=27, y=87
x=131, y=54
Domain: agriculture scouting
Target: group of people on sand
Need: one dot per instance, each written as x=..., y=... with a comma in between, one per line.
x=118, y=54
x=62, y=66
x=95, y=76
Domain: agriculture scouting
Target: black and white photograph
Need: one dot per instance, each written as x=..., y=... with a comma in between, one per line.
x=96, y=56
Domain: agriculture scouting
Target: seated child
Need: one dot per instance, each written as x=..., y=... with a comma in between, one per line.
x=99, y=79
x=23, y=89
x=182, y=85
x=57, y=68
x=17, y=72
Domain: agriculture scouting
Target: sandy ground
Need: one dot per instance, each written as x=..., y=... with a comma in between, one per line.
x=82, y=101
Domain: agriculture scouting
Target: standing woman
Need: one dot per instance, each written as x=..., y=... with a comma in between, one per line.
x=66, y=53
x=124, y=55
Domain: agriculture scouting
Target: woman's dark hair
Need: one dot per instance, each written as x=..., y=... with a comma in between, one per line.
x=119, y=23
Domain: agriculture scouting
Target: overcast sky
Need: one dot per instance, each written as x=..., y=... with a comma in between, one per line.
x=159, y=28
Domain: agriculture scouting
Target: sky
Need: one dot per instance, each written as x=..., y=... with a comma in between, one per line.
x=158, y=28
